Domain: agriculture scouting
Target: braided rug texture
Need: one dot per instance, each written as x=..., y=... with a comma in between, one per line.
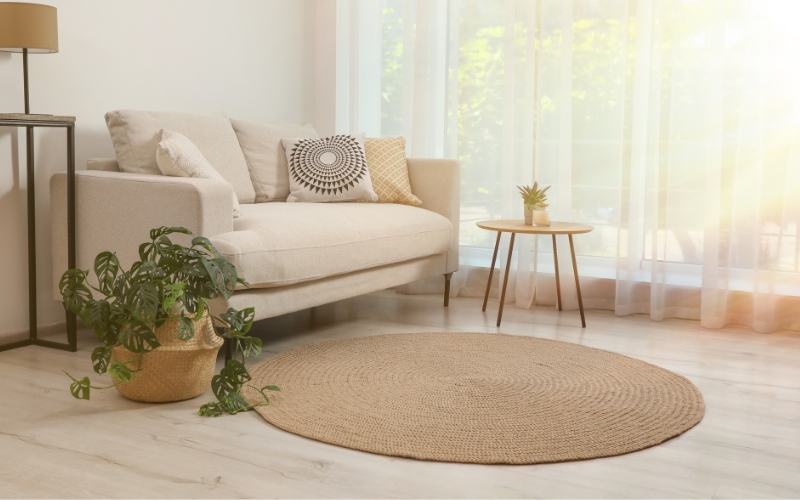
x=474, y=397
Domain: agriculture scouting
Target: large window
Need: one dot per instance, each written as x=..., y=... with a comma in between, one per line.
x=672, y=126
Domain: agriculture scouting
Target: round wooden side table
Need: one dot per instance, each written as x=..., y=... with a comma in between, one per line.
x=519, y=227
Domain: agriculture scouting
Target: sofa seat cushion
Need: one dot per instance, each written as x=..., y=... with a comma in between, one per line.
x=279, y=244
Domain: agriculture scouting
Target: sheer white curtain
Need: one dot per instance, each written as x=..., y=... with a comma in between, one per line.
x=671, y=126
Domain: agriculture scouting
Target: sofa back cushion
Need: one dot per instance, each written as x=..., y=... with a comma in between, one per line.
x=266, y=158
x=136, y=135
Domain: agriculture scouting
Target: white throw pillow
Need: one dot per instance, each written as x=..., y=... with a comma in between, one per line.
x=328, y=169
x=177, y=156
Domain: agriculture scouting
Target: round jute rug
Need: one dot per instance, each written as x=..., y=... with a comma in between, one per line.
x=474, y=397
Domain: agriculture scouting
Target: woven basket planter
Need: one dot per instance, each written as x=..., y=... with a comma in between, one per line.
x=176, y=370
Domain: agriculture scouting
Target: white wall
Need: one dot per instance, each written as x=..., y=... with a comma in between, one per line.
x=251, y=59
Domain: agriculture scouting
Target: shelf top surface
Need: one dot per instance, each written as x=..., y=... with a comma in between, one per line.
x=519, y=226
x=35, y=118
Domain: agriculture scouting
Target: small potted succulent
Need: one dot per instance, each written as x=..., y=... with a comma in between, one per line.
x=536, y=212
x=157, y=333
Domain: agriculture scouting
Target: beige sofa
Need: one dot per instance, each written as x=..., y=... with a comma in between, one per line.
x=294, y=255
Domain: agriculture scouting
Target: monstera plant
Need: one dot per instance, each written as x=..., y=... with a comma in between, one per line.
x=170, y=283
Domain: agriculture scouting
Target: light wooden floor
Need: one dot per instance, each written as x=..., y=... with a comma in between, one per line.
x=748, y=444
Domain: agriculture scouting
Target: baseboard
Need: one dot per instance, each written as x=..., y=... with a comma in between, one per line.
x=44, y=331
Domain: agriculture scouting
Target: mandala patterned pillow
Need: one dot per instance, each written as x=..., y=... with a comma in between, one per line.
x=329, y=169
x=386, y=159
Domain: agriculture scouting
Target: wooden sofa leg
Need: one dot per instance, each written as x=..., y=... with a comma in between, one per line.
x=447, y=288
x=228, y=346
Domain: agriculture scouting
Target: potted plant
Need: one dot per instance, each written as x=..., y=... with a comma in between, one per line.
x=536, y=212
x=157, y=333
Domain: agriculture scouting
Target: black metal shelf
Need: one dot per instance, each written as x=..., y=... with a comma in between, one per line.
x=30, y=122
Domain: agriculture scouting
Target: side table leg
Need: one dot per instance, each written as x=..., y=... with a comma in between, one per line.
x=491, y=270
x=558, y=280
x=505, y=280
x=229, y=348
x=72, y=323
x=577, y=281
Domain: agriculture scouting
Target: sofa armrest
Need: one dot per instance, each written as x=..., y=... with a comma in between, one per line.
x=437, y=183
x=105, y=164
x=116, y=211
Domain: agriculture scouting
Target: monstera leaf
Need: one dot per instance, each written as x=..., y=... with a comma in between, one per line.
x=210, y=410
x=97, y=314
x=106, y=267
x=158, y=240
x=74, y=290
x=142, y=301
x=101, y=357
x=230, y=379
x=138, y=337
x=172, y=293
x=222, y=275
x=201, y=241
x=239, y=321
x=251, y=346
x=234, y=403
x=80, y=388
x=164, y=230
x=120, y=371
x=185, y=328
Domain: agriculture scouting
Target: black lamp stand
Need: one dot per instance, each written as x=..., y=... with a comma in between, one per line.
x=25, y=79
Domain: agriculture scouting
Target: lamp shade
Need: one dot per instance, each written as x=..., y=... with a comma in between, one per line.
x=29, y=26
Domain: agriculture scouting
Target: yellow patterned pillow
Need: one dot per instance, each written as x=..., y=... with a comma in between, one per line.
x=386, y=161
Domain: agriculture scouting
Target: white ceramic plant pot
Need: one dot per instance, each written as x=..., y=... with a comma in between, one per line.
x=528, y=215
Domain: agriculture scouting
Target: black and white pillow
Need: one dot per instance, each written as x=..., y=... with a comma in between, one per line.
x=328, y=169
